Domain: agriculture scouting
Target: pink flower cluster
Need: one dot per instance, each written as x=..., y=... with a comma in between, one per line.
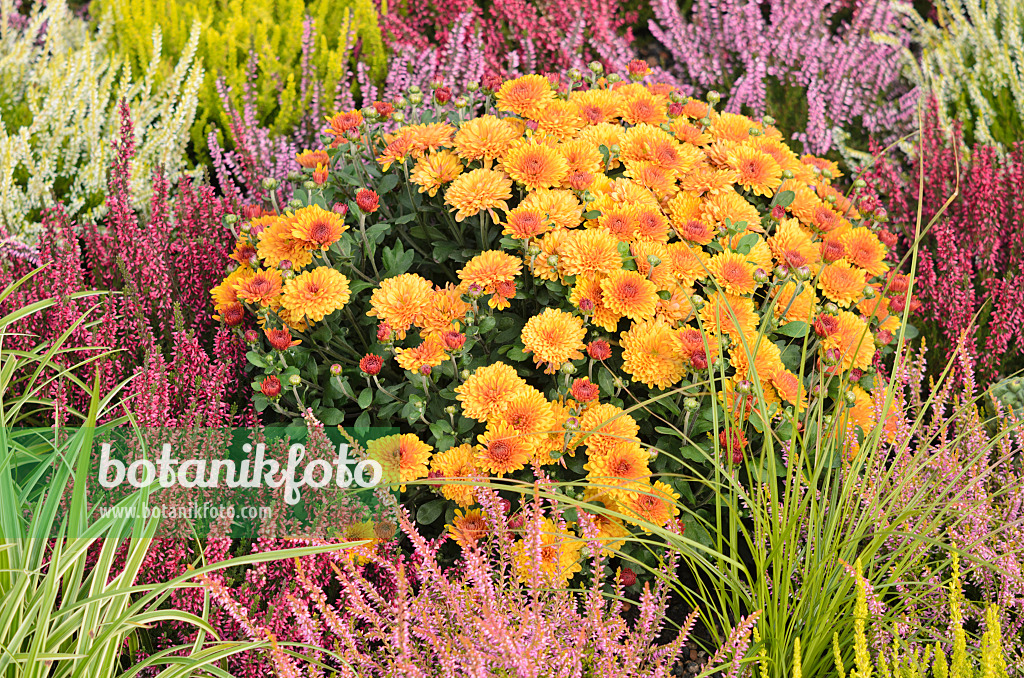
x=827, y=51
x=969, y=262
x=157, y=315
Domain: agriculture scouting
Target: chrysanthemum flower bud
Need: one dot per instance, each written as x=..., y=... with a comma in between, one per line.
x=675, y=109
x=425, y=370
x=697, y=301
x=699, y=361
x=309, y=185
x=781, y=272
x=230, y=219
x=416, y=98
x=371, y=364
x=883, y=338
x=451, y=409
x=245, y=227
x=869, y=292
x=575, y=75
x=627, y=577
x=295, y=203
x=888, y=238
x=473, y=86
x=464, y=375
x=454, y=340
x=899, y=284
x=251, y=336
x=295, y=176
x=614, y=77
x=533, y=250
x=400, y=103
x=787, y=174
x=826, y=325
x=714, y=97
x=754, y=132
x=491, y=82
x=233, y=315
x=830, y=307
x=295, y=380
x=461, y=102
x=398, y=116
x=653, y=261
x=335, y=370
x=383, y=109
x=832, y=250
x=383, y=332
x=690, y=404
x=827, y=173
x=744, y=386
x=369, y=112
x=572, y=424
x=803, y=272
x=587, y=305
x=254, y=260
x=768, y=120
x=831, y=356
x=568, y=368
x=856, y=374
x=830, y=199
x=881, y=215
x=280, y=339
x=270, y=386
x=599, y=349
x=414, y=89
x=269, y=183
x=443, y=95
x=367, y=200
x=850, y=398
x=595, y=67
x=285, y=265
x=583, y=390
x=553, y=260
x=760, y=277
x=859, y=183
x=638, y=69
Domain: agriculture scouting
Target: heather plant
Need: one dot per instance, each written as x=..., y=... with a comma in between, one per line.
x=508, y=38
x=290, y=57
x=160, y=266
x=629, y=261
x=58, y=106
x=829, y=72
x=971, y=58
x=969, y=275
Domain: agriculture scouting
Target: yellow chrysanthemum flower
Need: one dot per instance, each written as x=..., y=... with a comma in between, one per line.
x=655, y=504
x=559, y=119
x=618, y=469
x=275, y=243
x=403, y=458
x=842, y=283
x=456, y=464
x=604, y=426
x=535, y=164
x=226, y=293
x=629, y=294
x=430, y=353
x=793, y=246
x=853, y=340
x=435, y=170
x=554, y=337
x=485, y=138
x=316, y=294
x=688, y=262
x=315, y=227
x=261, y=288
x=864, y=249
x=596, y=106
x=588, y=287
x=555, y=561
x=401, y=301
x=489, y=390
x=767, y=359
x=503, y=449
x=562, y=207
x=758, y=172
x=733, y=273
x=491, y=272
x=478, y=190
x=650, y=354
x=789, y=388
x=590, y=251
x=529, y=413
x=581, y=155
x=799, y=309
x=469, y=528
x=524, y=95
x=729, y=314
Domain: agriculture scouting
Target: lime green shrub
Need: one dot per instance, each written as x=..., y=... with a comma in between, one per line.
x=272, y=31
x=989, y=662
x=59, y=89
x=972, y=58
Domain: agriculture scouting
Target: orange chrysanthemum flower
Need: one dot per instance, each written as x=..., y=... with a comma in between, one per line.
x=596, y=106
x=544, y=265
x=456, y=464
x=733, y=273
x=644, y=107
x=315, y=227
x=732, y=127
x=728, y=314
x=649, y=175
x=615, y=471
x=688, y=263
x=525, y=222
x=853, y=340
x=767, y=359
x=535, y=165
x=562, y=207
x=403, y=458
x=554, y=337
x=491, y=271
x=864, y=249
x=276, y=244
x=310, y=159
x=799, y=309
x=529, y=413
x=430, y=353
x=525, y=95
x=630, y=294
x=559, y=119
x=469, y=528
x=480, y=189
x=591, y=251
x=261, y=288
x=555, y=561
x=581, y=155
x=502, y=450
x=315, y=294
x=434, y=170
x=485, y=138
x=728, y=204
x=789, y=388
x=605, y=426
x=842, y=283
x=226, y=293
x=588, y=288
x=708, y=180
x=489, y=390
x=431, y=136
x=398, y=147
x=619, y=220
x=655, y=504
x=792, y=245
x=758, y=171
x=650, y=354
x=401, y=301
x=443, y=313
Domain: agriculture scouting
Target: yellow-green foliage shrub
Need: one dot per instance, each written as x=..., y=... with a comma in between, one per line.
x=972, y=59
x=59, y=90
x=271, y=30
x=899, y=662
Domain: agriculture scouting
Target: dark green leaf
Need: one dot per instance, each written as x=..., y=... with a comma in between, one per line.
x=797, y=328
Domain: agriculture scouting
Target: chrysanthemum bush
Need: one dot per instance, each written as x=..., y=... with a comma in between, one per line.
x=560, y=283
